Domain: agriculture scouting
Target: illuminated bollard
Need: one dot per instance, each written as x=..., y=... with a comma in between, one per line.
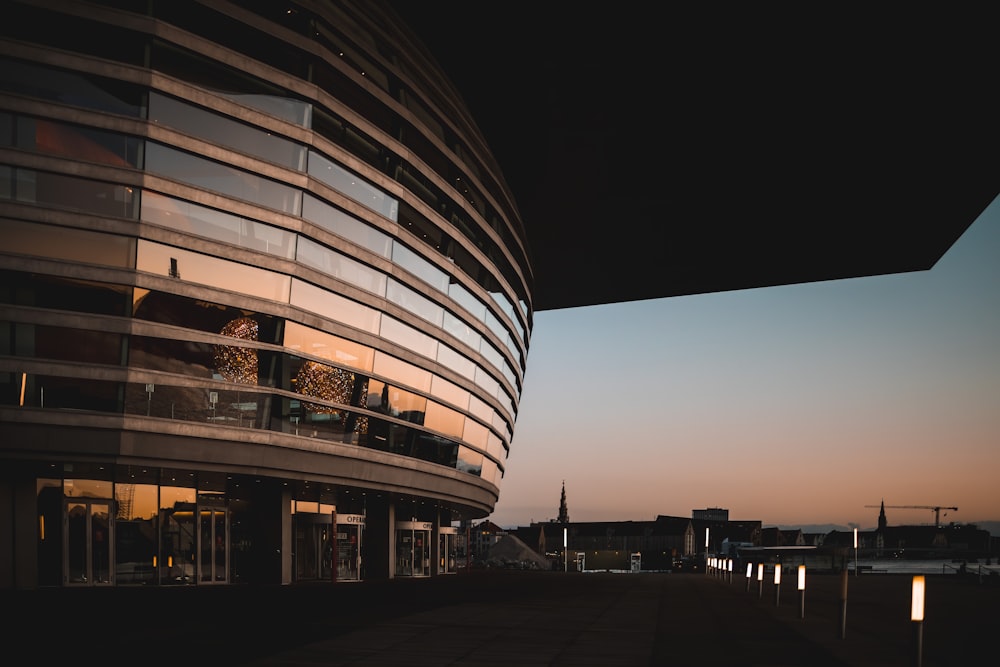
x=917, y=616
x=802, y=591
x=760, y=581
x=749, y=575
x=730, y=565
x=777, y=583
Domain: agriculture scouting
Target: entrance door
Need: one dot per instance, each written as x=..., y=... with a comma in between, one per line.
x=88, y=550
x=350, y=529
x=413, y=548
x=313, y=547
x=213, y=545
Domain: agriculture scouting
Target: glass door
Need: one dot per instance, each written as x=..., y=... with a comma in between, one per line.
x=213, y=545
x=413, y=548
x=313, y=546
x=350, y=528
x=447, y=537
x=87, y=542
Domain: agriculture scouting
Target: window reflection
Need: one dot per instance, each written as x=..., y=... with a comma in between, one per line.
x=352, y=185
x=66, y=243
x=346, y=226
x=72, y=193
x=338, y=265
x=334, y=307
x=195, y=267
x=415, y=303
x=188, y=217
x=321, y=344
x=216, y=177
x=402, y=334
x=225, y=131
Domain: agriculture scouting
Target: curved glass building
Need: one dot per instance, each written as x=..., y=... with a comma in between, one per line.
x=265, y=298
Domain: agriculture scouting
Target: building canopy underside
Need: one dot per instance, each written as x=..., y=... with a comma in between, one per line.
x=712, y=152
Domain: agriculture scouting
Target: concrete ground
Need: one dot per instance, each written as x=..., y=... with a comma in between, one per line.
x=522, y=618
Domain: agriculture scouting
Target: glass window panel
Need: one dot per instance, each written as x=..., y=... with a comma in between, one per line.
x=334, y=306
x=284, y=108
x=68, y=344
x=469, y=461
x=189, y=217
x=475, y=433
x=450, y=392
x=352, y=186
x=416, y=303
x=509, y=375
x=420, y=267
x=464, y=298
x=452, y=360
x=462, y=331
x=494, y=446
x=405, y=335
x=444, y=420
x=490, y=472
x=491, y=354
x=206, y=270
x=306, y=340
x=506, y=402
x=500, y=424
x=77, y=194
x=501, y=300
x=77, y=142
x=495, y=325
x=225, y=132
x=67, y=244
x=346, y=226
x=340, y=266
x=402, y=372
x=486, y=381
x=66, y=87
x=481, y=409
x=392, y=400
x=217, y=177
x=6, y=182
x=6, y=128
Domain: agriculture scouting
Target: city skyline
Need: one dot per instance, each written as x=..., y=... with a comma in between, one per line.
x=796, y=404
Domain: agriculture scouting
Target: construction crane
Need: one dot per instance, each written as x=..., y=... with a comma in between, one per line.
x=936, y=508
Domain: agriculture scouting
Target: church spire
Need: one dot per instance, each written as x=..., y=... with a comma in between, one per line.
x=882, y=523
x=563, y=512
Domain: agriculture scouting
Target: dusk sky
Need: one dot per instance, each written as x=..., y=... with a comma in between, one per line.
x=790, y=405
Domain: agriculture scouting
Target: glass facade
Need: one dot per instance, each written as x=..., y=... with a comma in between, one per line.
x=229, y=295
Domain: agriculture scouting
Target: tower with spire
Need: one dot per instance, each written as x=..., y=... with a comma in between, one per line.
x=563, y=512
x=882, y=523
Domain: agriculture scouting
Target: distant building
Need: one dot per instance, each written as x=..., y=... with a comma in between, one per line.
x=711, y=514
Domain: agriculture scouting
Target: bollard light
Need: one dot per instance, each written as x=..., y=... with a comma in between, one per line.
x=802, y=591
x=749, y=575
x=777, y=574
x=917, y=616
x=760, y=572
x=917, y=603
